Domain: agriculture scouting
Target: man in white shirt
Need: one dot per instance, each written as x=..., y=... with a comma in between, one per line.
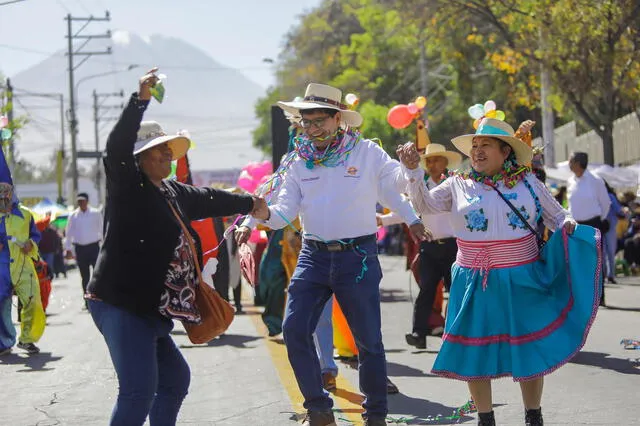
x=589, y=201
x=333, y=180
x=84, y=234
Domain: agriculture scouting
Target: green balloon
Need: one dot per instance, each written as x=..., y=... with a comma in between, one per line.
x=5, y=134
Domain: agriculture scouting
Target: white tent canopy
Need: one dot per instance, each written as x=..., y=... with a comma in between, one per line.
x=616, y=177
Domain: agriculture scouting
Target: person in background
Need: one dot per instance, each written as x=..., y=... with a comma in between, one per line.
x=49, y=243
x=589, y=201
x=611, y=236
x=84, y=234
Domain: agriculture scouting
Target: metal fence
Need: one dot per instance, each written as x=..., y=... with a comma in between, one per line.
x=626, y=141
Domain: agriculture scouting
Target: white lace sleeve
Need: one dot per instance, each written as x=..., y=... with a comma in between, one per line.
x=438, y=200
x=553, y=215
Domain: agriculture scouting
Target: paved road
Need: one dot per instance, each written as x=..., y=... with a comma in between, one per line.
x=243, y=378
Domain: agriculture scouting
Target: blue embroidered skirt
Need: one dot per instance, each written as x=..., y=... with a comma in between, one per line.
x=530, y=320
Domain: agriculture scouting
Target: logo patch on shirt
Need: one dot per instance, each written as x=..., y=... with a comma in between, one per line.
x=352, y=171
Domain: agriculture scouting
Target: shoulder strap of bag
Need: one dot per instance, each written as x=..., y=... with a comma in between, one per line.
x=189, y=238
x=515, y=210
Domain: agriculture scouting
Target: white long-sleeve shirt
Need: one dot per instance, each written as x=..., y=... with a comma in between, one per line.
x=437, y=223
x=84, y=227
x=588, y=197
x=477, y=211
x=340, y=202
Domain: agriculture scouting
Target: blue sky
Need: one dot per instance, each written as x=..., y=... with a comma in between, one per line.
x=236, y=34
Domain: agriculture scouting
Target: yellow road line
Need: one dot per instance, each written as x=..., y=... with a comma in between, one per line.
x=346, y=398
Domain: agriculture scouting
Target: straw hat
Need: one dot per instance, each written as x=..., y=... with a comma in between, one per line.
x=496, y=129
x=437, y=150
x=322, y=96
x=151, y=134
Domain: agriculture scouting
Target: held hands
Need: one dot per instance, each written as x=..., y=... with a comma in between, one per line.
x=242, y=234
x=419, y=231
x=147, y=81
x=260, y=209
x=408, y=155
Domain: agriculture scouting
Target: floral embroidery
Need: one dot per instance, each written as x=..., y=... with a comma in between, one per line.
x=511, y=196
x=476, y=220
x=514, y=220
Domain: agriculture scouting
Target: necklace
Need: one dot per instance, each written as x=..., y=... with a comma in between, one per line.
x=510, y=175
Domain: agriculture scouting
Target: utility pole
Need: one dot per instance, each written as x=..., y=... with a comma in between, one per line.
x=12, y=150
x=73, y=122
x=97, y=106
x=548, y=119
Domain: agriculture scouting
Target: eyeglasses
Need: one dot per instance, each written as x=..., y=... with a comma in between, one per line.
x=318, y=122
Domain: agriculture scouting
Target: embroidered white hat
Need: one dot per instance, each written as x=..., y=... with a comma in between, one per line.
x=151, y=134
x=437, y=150
x=323, y=96
x=496, y=129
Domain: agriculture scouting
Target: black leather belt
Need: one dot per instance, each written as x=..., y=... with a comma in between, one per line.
x=339, y=246
x=440, y=241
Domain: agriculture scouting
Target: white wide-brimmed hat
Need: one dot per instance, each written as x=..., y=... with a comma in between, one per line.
x=323, y=96
x=437, y=150
x=151, y=134
x=493, y=128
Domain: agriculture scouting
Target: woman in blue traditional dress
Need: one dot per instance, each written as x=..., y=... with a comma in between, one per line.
x=513, y=310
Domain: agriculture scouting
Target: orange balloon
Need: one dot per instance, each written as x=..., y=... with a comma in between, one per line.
x=477, y=123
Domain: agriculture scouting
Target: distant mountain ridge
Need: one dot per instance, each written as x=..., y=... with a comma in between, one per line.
x=213, y=102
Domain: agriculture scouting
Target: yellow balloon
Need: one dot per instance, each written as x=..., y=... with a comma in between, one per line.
x=491, y=114
x=421, y=102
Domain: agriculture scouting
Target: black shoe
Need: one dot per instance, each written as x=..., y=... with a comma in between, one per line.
x=420, y=342
x=486, y=419
x=392, y=389
x=533, y=417
x=29, y=347
x=612, y=280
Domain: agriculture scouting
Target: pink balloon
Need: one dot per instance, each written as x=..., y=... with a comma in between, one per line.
x=247, y=182
x=255, y=236
x=382, y=232
x=399, y=116
x=412, y=108
x=4, y=121
x=261, y=170
x=251, y=167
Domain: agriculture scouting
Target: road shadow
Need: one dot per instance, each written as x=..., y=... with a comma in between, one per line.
x=417, y=411
x=607, y=362
x=620, y=308
x=393, y=296
x=399, y=370
x=235, y=340
x=32, y=363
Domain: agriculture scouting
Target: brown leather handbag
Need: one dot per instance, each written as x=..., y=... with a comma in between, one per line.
x=215, y=312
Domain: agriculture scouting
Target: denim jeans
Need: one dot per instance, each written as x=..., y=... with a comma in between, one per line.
x=354, y=277
x=323, y=339
x=152, y=374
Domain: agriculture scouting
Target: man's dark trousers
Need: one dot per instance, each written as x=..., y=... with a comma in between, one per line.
x=436, y=258
x=86, y=257
x=354, y=277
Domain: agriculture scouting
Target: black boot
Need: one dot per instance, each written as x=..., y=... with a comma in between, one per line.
x=533, y=417
x=486, y=419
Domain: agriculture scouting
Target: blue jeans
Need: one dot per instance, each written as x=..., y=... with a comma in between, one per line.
x=49, y=259
x=317, y=276
x=152, y=374
x=323, y=339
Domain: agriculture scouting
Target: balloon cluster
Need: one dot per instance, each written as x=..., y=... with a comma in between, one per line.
x=488, y=110
x=401, y=116
x=5, y=133
x=254, y=174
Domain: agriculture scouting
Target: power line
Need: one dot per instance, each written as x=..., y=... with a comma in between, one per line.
x=63, y=6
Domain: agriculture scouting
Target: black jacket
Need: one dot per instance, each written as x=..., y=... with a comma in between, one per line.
x=141, y=233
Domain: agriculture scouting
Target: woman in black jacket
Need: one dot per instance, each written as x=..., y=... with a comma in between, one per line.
x=145, y=275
